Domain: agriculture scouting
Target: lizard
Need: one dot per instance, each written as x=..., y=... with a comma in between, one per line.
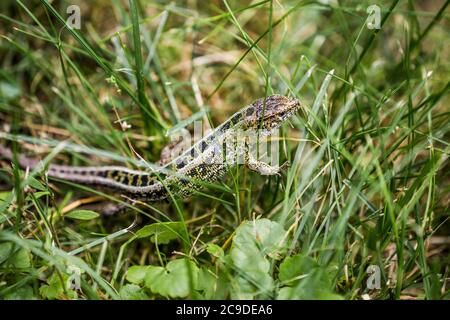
x=204, y=161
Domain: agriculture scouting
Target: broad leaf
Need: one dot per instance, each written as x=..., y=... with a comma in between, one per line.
x=254, y=244
x=132, y=292
x=295, y=266
x=136, y=274
x=176, y=280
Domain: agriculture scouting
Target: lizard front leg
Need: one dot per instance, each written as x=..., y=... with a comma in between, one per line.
x=263, y=168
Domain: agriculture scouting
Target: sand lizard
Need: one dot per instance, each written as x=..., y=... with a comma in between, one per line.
x=205, y=161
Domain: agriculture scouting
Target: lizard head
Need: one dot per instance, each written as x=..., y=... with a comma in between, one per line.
x=269, y=114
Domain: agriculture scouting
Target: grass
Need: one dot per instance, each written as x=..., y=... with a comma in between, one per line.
x=368, y=184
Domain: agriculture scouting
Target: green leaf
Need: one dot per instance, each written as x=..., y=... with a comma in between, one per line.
x=32, y=182
x=254, y=244
x=296, y=266
x=329, y=296
x=20, y=258
x=263, y=235
x=213, y=286
x=176, y=280
x=136, y=274
x=56, y=287
x=132, y=292
x=82, y=215
x=215, y=250
x=162, y=232
x=306, y=279
x=286, y=293
x=310, y=291
x=249, y=287
x=22, y=293
x=4, y=195
x=40, y=194
x=5, y=251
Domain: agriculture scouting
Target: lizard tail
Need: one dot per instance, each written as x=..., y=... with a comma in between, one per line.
x=110, y=177
x=24, y=162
